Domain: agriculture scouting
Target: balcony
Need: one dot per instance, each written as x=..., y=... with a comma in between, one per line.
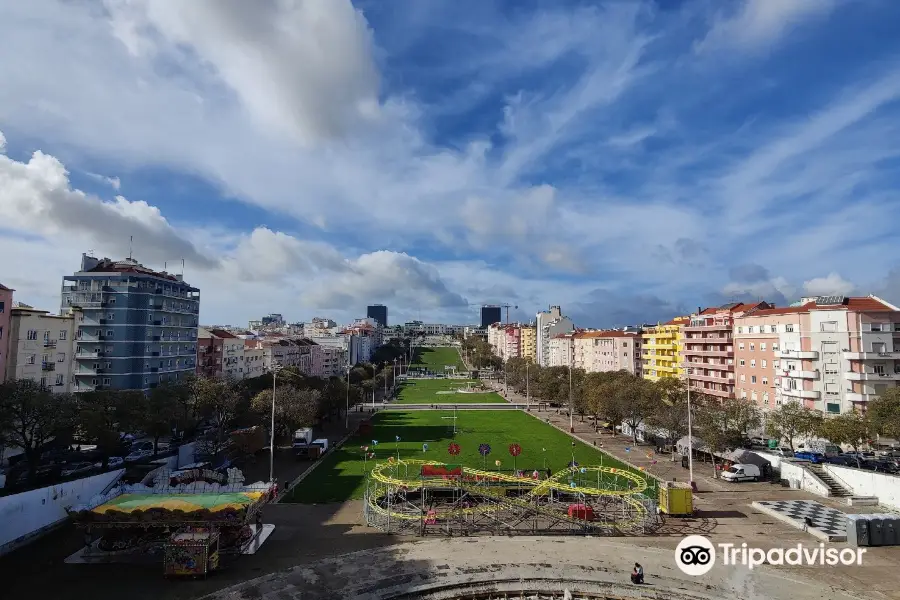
x=48, y=366
x=801, y=354
x=870, y=376
x=670, y=346
x=712, y=378
x=49, y=343
x=702, y=365
x=855, y=397
x=717, y=353
x=871, y=355
x=702, y=328
x=808, y=394
x=803, y=374
x=712, y=392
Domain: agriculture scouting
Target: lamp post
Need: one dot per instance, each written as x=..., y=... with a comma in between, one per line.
x=690, y=436
x=527, y=395
x=275, y=368
x=571, y=406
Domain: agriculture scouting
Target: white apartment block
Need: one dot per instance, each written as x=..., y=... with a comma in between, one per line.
x=605, y=351
x=548, y=325
x=254, y=358
x=561, y=350
x=42, y=346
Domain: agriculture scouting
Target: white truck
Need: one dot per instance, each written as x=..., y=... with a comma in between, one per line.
x=305, y=446
x=741, y=473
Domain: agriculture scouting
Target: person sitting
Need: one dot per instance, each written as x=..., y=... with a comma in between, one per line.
x=637, y=575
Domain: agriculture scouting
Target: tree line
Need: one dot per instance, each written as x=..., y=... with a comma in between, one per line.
x=661, y=408
x=33, y=418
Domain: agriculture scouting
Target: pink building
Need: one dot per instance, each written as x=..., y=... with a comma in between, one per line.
x=709, y=348
x=6, y=304
x=831, y=353
x=513, y=339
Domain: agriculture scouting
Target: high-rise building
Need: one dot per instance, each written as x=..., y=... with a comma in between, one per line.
x=662, y=349
x=549, y=324
x=379, y=313
x=139, y=327
x=490, y=315
x=606, y=351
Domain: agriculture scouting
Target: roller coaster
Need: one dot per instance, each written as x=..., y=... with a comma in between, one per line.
x=430, y=498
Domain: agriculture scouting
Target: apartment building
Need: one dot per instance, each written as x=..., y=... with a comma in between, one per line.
x=6, y=304
x=528, y=341
x=42, y=348
x=561, y=350
x=142, y=324
x=709, y=348
x=232, y=354
x=831, y=353
x=210, y=352
x=608, y=350
x=548, y=325
x=661, y=349
x=254, y=358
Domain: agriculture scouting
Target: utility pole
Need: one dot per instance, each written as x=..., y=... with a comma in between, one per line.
x=527, y=394
x=275, y=368
x=571, y=405
x=347, y=412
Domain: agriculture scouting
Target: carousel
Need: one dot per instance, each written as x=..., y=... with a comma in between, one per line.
x=186, y=519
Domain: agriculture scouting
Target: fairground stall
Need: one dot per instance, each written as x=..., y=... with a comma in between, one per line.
x=185, y=519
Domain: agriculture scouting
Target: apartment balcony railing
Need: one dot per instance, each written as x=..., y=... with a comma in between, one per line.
x=801, y=374
x=713, y=392
x=870, y=376
x=702, y=328
x=658, y=346
x=801, y=354
x=48, y=366
x=703, y=365
x=809, y=394
x=712, y=379
x=871, y=355
x=857, y=397
x=723, y=353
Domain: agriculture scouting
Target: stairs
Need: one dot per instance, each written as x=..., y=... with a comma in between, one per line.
x=837, y=490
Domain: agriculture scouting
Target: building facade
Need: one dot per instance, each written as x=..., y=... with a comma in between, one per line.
x=528, y=334
x=829, y=353
x=661, y=349
x=561, y=350
x=607, y=351
x=142, y=324
x=254, y=358
x=6, y=304
x=548, y=325
x=209, y=353
x=379, y=313
x=42, y=348
x=709, y=348
x=491, y=315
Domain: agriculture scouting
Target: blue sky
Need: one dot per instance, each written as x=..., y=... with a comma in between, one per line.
x=627, y=160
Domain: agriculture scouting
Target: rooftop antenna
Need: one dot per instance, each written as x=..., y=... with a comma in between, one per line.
x=130, y=246
x=182, y=267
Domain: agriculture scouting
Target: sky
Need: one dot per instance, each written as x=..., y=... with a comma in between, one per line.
x=627, y=160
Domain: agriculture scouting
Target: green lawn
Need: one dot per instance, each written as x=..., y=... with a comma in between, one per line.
x=341, y=476
x=435, y=359
x=425, y=391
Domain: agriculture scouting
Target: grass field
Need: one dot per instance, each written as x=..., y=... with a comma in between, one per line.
x=425, y=391
x=342, y=477
x=435, y=359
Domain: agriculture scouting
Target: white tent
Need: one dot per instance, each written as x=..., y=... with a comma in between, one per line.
x=696, y=443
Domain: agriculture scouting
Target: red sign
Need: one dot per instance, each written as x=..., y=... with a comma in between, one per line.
x=453, y=448
x=515, y=449
x=442, y=471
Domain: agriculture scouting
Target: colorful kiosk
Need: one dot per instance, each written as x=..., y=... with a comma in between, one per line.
x=189, y=525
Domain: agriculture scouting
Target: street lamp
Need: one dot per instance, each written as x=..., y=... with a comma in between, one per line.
x=347, y=412
x=571, y=405
x=527, y=395
x=690, y=435
x=275, y=368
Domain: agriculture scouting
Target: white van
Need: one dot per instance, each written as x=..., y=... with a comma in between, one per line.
x=741, y=473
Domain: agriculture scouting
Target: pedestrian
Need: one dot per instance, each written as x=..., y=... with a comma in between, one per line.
x=637, y=575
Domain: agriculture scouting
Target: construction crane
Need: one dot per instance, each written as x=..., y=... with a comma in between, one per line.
x=489, y=305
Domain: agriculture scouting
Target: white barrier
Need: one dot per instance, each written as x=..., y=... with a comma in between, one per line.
x=808, y=482
x=30, y=514
x=868, y=483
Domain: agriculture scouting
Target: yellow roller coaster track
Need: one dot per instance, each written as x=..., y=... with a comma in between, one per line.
x=473, y=481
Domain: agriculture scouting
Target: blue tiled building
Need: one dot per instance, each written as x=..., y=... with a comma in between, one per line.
x=139, y=328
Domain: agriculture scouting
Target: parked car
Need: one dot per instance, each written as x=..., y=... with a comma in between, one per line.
x=79, y=468
x=758, y=441
x=842, y=460
x=783, y=451
x=138, y=455
x=813, y=457
x=741, y=473
x=114, y=462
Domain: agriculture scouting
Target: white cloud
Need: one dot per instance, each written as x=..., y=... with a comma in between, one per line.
x=113, y=182
x=759, y=24
x=830, y=285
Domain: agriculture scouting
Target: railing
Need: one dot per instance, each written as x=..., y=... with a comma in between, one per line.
x=48, y=366
x=49, y=343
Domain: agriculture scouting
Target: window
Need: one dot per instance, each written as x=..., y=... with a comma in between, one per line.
x=43, y=382
x=62, y=335
x=106, y=381
x=753, y=379
x=753, y=396
x=751, y=329
x=32, y=334
x=752, y=347
x=828, y=326
x=762, y=346
x=741, y=346
x=109, y=333
x=1, y=333
x=2, y=307
x=789, y=328
x=765, y=381
x=740, y=330
x=765, y=397
x=59, y=379
x=30, y=359
x=764, y=364
x=753, y=363
x=775, y=347
x=743, y=394
x=773, y=329
x=872, y=327
x=60, y=357
x=743, y=378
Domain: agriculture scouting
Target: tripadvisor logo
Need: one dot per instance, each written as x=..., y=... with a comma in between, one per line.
x=696, y=555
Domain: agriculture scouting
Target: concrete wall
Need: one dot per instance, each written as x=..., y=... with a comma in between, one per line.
x=29, y=514
x=808, y=481
x=186, y=454
x=867, y=483
x=773, y=459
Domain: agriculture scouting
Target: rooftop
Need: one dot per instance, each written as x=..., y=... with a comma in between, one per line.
x=6, y=289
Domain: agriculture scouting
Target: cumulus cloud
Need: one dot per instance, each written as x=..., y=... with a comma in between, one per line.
x=830, y=285
x=113, y=182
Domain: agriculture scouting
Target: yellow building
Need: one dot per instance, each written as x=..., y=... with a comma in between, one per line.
x=661, y=349
x=528, y=335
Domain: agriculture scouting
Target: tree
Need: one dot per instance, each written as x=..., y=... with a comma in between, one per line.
x=32, y=417
x=884, y=413
x=294, y=408
x=670, y=416
x=638, y=398
x=216, y=399
x=160, y=412
x=792, y=420
x=849, y=428
x=723, y=425
x=105, y=415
